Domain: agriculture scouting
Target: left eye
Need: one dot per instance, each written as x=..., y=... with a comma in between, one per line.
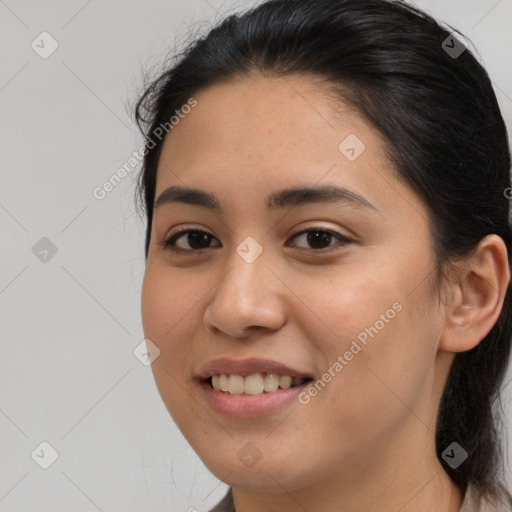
x=316, y=237
x=200, y=240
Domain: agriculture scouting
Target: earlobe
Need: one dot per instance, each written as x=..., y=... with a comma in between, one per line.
x=477, y=296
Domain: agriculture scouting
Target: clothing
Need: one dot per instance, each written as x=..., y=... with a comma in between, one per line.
x=226, y=504
x=471, y=503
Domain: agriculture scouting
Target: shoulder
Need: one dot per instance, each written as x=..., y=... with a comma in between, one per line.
x=474, y=501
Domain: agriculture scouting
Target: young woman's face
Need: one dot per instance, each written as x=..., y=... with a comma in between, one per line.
x=262, y=286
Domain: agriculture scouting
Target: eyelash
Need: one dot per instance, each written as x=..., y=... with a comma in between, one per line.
x=169, y=243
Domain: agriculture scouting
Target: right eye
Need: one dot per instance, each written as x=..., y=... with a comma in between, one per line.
x=195, y=238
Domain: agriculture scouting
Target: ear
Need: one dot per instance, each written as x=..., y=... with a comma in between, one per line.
x=476, y=296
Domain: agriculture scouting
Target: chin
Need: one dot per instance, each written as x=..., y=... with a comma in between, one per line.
x=266, y=475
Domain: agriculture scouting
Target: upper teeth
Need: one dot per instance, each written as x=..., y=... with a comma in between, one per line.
x=254, y=384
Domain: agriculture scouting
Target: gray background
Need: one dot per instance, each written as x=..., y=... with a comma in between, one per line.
x=70, y=323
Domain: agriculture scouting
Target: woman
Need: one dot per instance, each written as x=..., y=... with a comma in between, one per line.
x=328, y=259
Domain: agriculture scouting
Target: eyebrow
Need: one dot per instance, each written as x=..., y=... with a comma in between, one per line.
x=277, y=200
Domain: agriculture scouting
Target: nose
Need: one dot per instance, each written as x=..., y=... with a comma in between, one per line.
x=249, y=297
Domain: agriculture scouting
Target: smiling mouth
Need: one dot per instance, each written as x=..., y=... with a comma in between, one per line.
x=255, y=384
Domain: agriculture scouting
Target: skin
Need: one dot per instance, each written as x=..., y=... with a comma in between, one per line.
x=367, y=439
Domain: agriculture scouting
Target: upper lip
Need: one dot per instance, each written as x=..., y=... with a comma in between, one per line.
x=245, y=367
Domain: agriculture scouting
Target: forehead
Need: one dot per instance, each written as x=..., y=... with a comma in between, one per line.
x=262, y=125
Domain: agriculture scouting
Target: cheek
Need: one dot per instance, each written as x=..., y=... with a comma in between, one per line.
x=168, y=306
x=355, y=304
x=166, y=301
x=386, y=345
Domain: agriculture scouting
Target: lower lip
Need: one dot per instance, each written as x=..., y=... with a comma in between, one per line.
x=250, y=406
